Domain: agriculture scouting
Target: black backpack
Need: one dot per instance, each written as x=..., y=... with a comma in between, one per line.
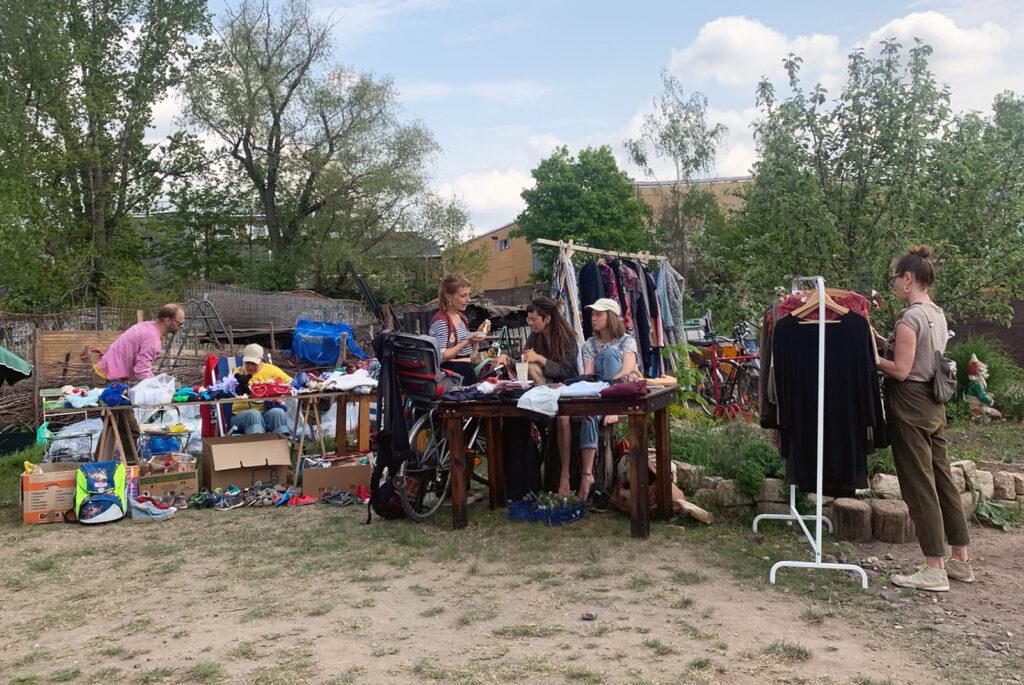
x=392, y=434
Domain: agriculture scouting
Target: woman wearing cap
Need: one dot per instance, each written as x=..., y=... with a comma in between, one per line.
x=450, y=327
x=610, y=353
x=256, y=417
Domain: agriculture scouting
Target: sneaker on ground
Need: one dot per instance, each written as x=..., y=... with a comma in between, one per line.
x=960, y=570
x=148, y=511
x=926, y=578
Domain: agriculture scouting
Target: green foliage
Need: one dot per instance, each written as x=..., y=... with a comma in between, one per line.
x=999, y=515
x=588, y=200
x=847, y=181
x=881, y=461
x=730, y=450
x=759, y=460
x=1005, y=379
x=687, y=376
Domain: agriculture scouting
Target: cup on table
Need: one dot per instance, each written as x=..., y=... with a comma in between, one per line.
x=522, y=371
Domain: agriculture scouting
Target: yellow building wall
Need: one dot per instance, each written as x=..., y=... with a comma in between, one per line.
x=511, y=259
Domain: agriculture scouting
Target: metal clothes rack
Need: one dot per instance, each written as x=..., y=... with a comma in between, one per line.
x=793, y=514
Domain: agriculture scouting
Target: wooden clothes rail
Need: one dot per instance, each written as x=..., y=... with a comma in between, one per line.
x=572, y=246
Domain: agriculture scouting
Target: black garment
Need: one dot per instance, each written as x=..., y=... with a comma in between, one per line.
x=641, y=318
x=620, y=291
x=591, y=290
x=521, y=456
x=555, y=371
x=392, y=431
x=769, y=410
x=465, y=370
x=852, y=401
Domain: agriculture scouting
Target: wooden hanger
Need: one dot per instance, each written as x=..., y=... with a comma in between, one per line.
x=812, y=304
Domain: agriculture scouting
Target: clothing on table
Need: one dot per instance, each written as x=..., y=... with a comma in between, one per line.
x=853, y=402
x=441, y=330
x=132, y=354
x=915, y=317
x=555, y=371
x=542, y=399
x=591, y=290
x=266, y=373
x=917, y=430
x=585, y=389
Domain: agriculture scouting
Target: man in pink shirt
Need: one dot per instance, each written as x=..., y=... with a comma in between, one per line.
x=131, y=356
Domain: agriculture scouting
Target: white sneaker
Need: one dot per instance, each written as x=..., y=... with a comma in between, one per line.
x=926, y=578
x=960, y=570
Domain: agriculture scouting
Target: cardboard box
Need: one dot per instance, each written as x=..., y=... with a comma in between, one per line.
x=46, y=496
x=344, y=475
x=175, y=483
x=242, y=460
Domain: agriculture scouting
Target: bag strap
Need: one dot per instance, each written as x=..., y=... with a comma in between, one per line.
x=931, y=326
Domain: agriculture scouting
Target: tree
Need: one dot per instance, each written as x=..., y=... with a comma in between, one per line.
x=588, y=200
x=82, y=80
x=843, y=187
x=447, y=222
x=678, y=130
x=335, y=170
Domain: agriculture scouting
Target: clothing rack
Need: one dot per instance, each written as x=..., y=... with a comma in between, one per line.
x=571, y=247
x=793, y=514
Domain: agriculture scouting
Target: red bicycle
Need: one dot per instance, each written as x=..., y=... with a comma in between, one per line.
x=730, y=369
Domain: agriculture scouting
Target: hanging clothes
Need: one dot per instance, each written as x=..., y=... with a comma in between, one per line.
x=611, y=289
x=565, y=293
x=853, y=408
x=591, y=290
x=670, y=298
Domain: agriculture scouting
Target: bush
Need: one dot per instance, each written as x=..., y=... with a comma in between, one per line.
x=732, y=450
x=1005, y=379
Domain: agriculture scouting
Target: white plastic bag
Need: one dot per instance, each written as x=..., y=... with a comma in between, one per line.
x=155, y=390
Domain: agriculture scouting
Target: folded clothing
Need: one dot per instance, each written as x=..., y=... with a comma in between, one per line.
x=626, y=389
x=269, y=389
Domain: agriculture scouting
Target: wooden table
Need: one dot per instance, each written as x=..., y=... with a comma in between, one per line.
x=636, y=409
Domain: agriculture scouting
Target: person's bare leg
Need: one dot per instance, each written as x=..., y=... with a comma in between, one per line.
x=960, y=553
x=587, y=472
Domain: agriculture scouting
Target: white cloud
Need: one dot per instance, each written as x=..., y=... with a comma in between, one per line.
x=514, y=92
x=354, y=19
x=541, y=146
x=736, y=52
x=492, y=196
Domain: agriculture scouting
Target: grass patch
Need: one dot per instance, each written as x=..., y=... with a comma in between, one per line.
x=700, y=663
x=349, y=677
x=320, y=610
x=638, y=582
x=591, y=572
x=384, y=651
x=658, y=647
x=421, y=590
x=474, y=614
x=695, y=632
x=526, y=630
x=682, y=603
x=864, y=680
x=245, y=650
x=364, y=603
x=812, y=615
x=65, y=675
x=258, y=612
x=534, y=668
x=688, y=578
x=118, y=652
x=433, y=611
x=30, y=658
x=106, y=675
x=205, y=672
x=787, y=651
x=154, y=675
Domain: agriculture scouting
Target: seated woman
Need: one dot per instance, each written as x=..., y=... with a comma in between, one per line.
x=450, y=327
x=611, y=354
x=551, y=351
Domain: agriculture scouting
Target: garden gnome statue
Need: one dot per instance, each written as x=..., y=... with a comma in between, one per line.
x=982, y=402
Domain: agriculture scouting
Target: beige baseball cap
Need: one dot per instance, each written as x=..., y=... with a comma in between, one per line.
x=605, y=304
x=253, y=353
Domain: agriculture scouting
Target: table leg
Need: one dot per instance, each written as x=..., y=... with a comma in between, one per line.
x=105, y=449
x=363, y=428
x=319, y=430
x=457, y=451
x=663, y=484
x=302, y=436
x=640, y=526
x=495, y=466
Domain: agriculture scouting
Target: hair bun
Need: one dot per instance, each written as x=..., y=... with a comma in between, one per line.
x=922, y=251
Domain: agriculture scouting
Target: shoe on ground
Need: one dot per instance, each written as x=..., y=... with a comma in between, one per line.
x=960, y=570
x=926, y=578
x=146, y=511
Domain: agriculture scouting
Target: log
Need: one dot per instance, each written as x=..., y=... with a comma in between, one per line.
x=891, y=522
x=852, y=519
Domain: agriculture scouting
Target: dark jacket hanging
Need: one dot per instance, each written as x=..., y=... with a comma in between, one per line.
x=591, y=290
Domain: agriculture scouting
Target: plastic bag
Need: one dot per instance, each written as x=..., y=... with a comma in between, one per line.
x=156, y=390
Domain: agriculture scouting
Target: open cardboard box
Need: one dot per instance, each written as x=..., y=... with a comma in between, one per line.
x=346, y=475
x=46, y=496
x=242, y=460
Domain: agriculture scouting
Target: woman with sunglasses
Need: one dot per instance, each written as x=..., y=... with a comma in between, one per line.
x=916, y=425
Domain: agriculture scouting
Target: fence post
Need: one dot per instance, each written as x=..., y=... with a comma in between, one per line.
x=36, y=405
x=138, y=316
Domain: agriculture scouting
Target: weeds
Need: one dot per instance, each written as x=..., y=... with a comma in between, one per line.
x=787, y=651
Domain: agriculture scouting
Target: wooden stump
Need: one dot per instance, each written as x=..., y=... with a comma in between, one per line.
x=891, y=522
x=852, y=519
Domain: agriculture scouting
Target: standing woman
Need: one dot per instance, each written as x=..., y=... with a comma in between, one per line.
x=450, y=327
x=916, y=428
x=610, y=353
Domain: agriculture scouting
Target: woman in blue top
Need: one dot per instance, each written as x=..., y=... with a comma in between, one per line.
x=610, y=353
x=450, y=327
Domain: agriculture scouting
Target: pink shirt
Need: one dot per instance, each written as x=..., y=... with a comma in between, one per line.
x=132, y=354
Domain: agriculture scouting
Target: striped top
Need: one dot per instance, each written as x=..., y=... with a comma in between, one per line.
x=439, y=331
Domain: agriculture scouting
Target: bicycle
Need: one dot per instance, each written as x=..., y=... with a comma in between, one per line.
x=424, y=480
x=730, y=379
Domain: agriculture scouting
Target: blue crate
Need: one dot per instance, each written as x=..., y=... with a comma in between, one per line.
x=560, y=517
x=523, y=509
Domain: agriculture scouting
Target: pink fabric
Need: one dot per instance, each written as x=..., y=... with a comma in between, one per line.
x=853, y=301
x=132, y=354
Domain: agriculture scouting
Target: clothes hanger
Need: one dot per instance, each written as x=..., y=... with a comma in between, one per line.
x=812, y=303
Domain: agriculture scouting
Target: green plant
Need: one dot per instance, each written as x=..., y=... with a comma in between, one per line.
x=686, y=375
x=1005, y=379
x=759, y=461
x=999, y=515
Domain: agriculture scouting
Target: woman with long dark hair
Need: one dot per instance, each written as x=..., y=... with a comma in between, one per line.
x=917, y=422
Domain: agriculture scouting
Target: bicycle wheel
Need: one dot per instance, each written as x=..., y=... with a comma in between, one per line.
x=748, y=387
x=706, y=388
x=476, y=450
x=423, y=480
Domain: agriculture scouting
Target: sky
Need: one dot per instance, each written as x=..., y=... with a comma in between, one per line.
x=502, y=84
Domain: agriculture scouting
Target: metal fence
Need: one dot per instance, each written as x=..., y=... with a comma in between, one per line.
x=16, y=329
x=244, y=309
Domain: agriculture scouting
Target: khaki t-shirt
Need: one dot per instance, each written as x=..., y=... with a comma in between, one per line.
x=916, y=319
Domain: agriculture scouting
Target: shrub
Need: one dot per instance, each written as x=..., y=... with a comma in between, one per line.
x=732, y=450
x=1005, y=379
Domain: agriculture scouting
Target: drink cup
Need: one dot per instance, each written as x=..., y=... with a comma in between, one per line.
x=522, y=371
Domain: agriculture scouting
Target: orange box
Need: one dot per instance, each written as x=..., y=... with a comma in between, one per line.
x=46, y=496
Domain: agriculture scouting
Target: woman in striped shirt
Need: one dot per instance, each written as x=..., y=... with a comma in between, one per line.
x=450, y=327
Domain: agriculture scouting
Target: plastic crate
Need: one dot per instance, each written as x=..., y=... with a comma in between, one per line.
x=560, y=517
x=523, y=509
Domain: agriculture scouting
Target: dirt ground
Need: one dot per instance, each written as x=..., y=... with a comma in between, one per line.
x=313, y=595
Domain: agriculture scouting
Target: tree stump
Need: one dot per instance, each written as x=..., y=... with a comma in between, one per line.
x=852, y=519
x=891, y=522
